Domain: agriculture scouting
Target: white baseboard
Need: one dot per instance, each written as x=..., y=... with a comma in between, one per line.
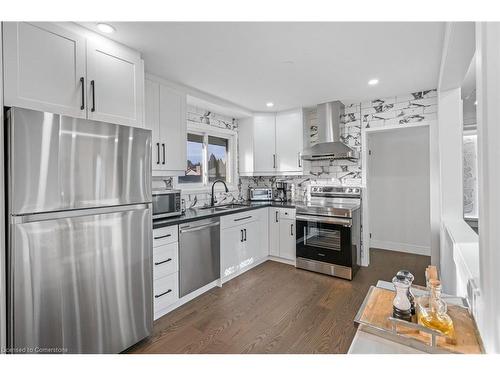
x=402, y=247
x=281, y=260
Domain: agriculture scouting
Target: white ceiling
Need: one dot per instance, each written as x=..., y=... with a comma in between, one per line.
x=292, y=64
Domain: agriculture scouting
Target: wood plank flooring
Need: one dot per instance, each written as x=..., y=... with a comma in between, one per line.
x=276, y=308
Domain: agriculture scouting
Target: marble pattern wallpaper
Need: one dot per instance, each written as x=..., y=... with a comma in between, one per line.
x=470, y=176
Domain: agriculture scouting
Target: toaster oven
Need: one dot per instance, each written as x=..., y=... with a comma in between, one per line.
x=260, y=194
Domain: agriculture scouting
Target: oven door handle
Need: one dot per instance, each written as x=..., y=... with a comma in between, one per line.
x=325, y=219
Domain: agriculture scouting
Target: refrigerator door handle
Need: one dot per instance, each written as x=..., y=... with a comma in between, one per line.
x=19, y=219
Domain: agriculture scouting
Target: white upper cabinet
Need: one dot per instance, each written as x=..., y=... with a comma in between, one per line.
x=271, y=144
x=44, y=68
x=264, y=143
x=173, y=129
x=289, y=134
x=166, y=116
x=115, y=84
x=54, y=68
x=152, y=119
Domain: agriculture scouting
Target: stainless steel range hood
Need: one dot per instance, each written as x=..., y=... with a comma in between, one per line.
x=330, y=146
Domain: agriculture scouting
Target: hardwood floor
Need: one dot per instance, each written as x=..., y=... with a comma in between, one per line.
x=276, y=308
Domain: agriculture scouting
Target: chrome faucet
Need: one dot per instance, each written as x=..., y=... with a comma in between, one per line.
x=212, y=200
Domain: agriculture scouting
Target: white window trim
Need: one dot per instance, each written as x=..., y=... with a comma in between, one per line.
x=205, y=131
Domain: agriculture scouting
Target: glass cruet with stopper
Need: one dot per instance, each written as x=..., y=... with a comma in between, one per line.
x=435, y=314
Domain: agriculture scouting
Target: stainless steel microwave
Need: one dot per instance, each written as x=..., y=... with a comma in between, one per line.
x=166, y=203
x=260, y=194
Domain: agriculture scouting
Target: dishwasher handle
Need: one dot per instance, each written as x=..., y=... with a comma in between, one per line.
x=199, y=227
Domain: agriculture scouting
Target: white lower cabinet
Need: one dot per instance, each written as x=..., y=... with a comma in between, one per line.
x=287, y=239
x=282, y=233
x=165, y=293
x=165, y=269
x=241, y=242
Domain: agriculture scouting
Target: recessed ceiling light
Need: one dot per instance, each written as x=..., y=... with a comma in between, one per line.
x=105, y=28
x=475, y=103
x=373, y=82
x=269, y=104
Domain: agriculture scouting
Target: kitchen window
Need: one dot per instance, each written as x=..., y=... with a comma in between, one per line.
x=209, y=157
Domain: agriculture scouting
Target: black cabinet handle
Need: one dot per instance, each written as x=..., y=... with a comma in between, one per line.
x=92, y=86
x=163, y=147
x=276, y=216
x=158, y=156
x=82, y=82
x=291, y=230
x=274, y=160
x=160, y=237
x=163, y=261
x=162, y=294
x=243, y=218
x=241, y=231
x=245, y=234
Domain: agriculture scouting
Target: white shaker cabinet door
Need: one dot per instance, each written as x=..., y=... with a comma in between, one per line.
x=287, y=239
x=289, y=141
x=264, y=144
x=152, y=120
x=231, y=250
x=173, y=130
x=274, y=232
x=44, y=68
x=115, y=84
x=249, y=252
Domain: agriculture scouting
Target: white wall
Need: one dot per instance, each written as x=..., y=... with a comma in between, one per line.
x=488, y=110
x=2, y=215
x=398, y=183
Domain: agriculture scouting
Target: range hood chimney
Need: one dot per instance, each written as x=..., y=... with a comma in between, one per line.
x=330, y=145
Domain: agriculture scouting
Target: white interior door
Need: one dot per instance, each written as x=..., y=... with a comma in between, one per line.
x=289, y=141
x=264, y=144
x=115, y=84
x=44, y=68
x=173, y=129
x=152, y=120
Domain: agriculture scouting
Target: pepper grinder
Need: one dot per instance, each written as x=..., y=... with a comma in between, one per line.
x=401, y=306
x=411, y=297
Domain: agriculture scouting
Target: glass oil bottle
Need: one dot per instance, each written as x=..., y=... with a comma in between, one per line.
x=434, y=315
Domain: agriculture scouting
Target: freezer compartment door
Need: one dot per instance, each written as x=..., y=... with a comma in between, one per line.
x=81, y=284
x=59, y=163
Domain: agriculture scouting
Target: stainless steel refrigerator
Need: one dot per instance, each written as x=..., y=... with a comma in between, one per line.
x=80, y=234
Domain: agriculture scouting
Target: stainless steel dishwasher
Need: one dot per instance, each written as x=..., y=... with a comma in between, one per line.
x=199, y=254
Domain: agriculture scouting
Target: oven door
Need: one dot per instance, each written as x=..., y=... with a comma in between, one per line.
x=326, y=239
x=166, y=204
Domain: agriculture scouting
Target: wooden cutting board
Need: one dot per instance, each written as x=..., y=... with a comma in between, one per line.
x=378, y=308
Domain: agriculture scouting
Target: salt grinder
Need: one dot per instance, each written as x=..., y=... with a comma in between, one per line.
x=401, y=306
x=410, y=279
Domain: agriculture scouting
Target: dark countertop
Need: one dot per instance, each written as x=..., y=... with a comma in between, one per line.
x=193, y=214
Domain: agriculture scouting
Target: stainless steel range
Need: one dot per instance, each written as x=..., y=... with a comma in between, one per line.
x=329, y=230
